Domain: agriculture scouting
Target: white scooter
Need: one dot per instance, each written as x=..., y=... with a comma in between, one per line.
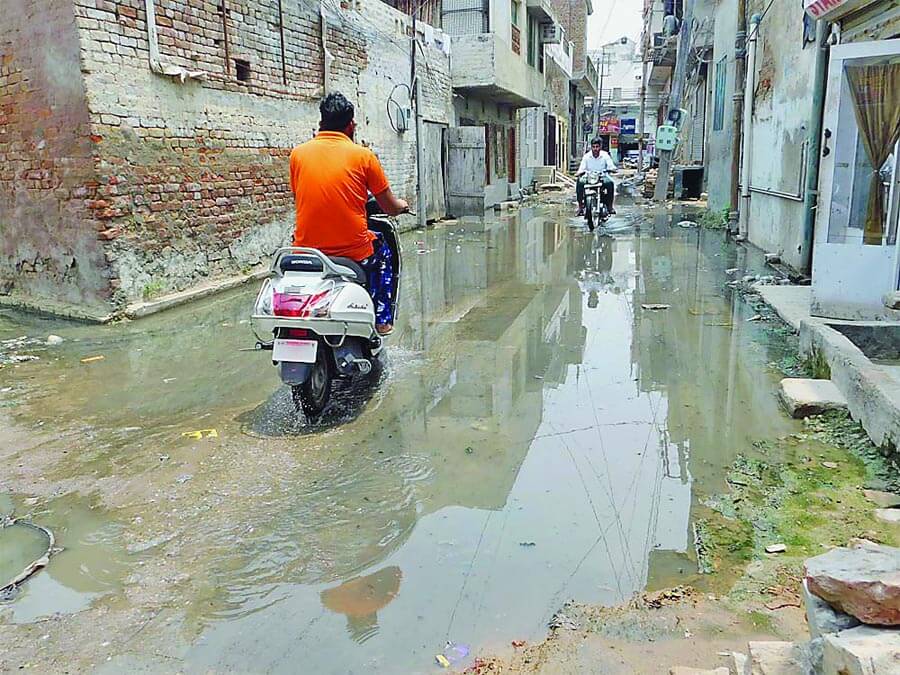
x=316, y=316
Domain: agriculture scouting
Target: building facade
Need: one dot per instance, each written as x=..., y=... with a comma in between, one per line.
x=146, y=155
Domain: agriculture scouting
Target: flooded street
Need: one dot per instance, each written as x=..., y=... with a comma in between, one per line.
x=539, y=436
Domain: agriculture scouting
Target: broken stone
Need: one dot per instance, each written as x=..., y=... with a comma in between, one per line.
x=53, y=340
x=830, y=465
x=773, y=258
x=776, y=548
x=862, y=651
x=885, y=500
x=822, y=617
x=682, y=670
x=738, y=663
x=888, y=515
x=805, y=397
x=863, y=581
x=776, y=658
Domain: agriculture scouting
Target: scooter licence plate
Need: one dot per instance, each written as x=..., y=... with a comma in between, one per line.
x=295, y=351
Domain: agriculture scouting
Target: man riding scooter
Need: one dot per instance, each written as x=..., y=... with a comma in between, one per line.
x=331, y=178
x=596, y=160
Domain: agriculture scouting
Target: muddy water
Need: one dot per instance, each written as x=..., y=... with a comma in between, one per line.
x=539, y=437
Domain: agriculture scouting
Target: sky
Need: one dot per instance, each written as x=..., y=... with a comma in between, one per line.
x=612, y=19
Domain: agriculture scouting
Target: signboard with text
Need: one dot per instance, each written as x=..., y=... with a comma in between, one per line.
x=832, y=9
x=629, y=125
x=609, y=125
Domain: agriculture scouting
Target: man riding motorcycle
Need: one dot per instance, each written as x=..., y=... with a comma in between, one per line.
x=331, y=178
x=596, y=160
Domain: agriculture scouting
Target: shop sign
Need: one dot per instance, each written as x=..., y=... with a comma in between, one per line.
x=609, y=125
x=832, y=9
x=629, y=125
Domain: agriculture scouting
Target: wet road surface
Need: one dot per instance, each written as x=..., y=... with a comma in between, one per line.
x=538, y=437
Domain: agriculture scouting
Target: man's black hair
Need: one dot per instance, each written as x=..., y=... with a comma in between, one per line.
x=597, y=141
x=336, y=112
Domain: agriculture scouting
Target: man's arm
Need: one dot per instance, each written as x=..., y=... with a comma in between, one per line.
x=610, y=164
x=390, y=203
x=582, y=168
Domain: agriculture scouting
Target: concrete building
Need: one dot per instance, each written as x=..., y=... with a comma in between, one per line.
x=511, y=63
x=142, y=155
x=662, y=23
x=623, y=86
x=573, y=16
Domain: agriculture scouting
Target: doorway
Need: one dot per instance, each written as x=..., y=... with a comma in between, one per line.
x=855, y=259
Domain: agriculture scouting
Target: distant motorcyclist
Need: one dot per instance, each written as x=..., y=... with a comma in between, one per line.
x=331, y=178
x=596, y=160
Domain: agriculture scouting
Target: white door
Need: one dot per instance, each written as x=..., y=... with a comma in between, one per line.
x=855, y=258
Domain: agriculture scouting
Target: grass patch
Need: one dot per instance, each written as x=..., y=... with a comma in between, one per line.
x=152, y=290
x=714, y=220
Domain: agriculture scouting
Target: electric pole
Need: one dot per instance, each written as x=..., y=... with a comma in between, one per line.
x=416, y=96
x=740, y=55
x=595, y=122
x=681, y=62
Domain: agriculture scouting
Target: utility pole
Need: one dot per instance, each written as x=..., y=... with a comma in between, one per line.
x=641, y=130
x=740, y=55
x=416, y=95
x=681, y=61
x=595, y=122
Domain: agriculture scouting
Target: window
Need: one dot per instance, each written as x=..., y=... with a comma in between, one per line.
x=242, y=70
x=719, y=94
x=617, y=93
x=515, y=33
x=532, y=42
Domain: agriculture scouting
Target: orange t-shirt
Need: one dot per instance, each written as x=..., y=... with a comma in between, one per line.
x=331, y=177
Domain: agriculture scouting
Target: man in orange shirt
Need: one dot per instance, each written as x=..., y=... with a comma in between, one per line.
x=331, y=178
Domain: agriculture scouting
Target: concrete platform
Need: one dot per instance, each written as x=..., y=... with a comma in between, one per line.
x=872, y=389
x=805, y=397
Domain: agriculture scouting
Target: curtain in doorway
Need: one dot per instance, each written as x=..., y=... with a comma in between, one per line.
x=876, y=103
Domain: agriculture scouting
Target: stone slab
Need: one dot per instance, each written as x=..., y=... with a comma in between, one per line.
x=776, y=658
x=885, y=500
x=822, y=617
x=891, y=516
x=804, y=397
x=863, y=581
x=682, y=670
x=738, y=664
x=139, y=310
x=864, y=650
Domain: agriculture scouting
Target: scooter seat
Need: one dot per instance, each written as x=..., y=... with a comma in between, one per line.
x=361, y=278
x=305, y=262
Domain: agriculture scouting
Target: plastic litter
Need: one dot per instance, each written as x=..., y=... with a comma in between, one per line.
x=54, y=340
x=654, y=306
x=518, y=643
x=527, y=544
x=442, y=661
x=92, y=359
x=454, y=653
x=201, y=433
x=830, y=465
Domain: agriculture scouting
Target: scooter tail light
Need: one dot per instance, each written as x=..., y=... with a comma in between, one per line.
x=314, y=305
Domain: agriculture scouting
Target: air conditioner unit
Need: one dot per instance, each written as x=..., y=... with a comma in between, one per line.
x=551, y=33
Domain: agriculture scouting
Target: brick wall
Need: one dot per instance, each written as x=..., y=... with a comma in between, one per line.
x=49, y=250
x=572, y=16
x=191, y=177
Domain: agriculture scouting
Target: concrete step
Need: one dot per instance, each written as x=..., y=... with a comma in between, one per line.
x=806, y=397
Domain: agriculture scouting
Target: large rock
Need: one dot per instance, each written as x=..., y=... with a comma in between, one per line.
x=862, y=651
x=822, y=617
x=776, y=658
x=805, y=398
x=738, y=664
x=863, y=581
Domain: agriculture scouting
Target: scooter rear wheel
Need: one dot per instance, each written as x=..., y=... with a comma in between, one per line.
x=312, y=396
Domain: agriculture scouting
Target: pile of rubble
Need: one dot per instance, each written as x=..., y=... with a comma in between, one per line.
x=852, y=599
